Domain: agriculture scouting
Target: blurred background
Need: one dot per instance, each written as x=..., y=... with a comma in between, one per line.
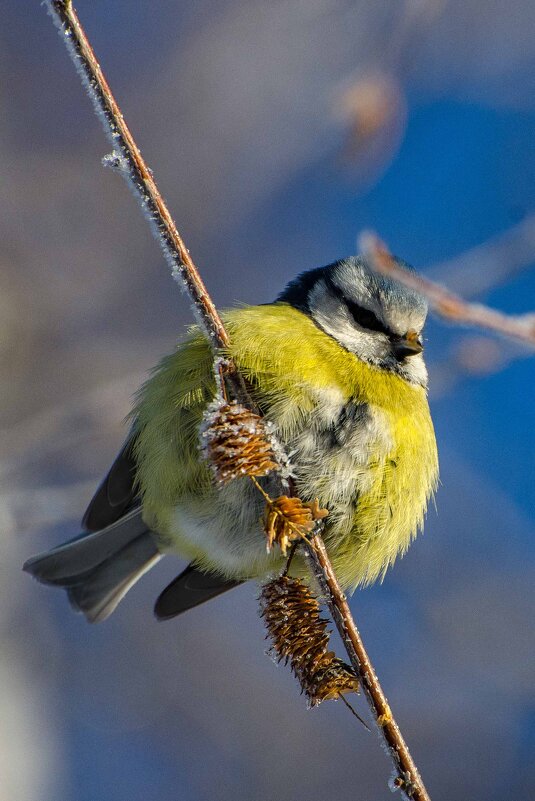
x=277, y=131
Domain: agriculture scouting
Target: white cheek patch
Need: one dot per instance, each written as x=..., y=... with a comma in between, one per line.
x=331, y=314
x=333, y=317
x=414, y=370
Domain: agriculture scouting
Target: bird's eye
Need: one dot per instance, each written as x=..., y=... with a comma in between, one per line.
x=366, y=318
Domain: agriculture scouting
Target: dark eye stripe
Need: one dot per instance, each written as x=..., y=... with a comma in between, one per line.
x=362, y=316
x=366, y=318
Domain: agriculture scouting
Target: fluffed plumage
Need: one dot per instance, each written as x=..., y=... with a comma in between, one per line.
x=336, y=365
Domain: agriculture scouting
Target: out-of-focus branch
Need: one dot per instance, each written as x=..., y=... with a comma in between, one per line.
x=486, y=266
x=128, y=160
x=446, y=303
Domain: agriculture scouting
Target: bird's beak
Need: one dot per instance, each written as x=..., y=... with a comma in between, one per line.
x=408, y=345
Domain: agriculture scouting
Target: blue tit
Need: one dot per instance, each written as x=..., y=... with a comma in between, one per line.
x=336, y=365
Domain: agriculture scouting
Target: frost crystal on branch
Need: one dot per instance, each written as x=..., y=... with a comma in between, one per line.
x=116, y=162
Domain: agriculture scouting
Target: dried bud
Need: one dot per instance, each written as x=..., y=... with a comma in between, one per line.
x=299, y=635
x=289, y=519
x=404, y=782
x=236, y=443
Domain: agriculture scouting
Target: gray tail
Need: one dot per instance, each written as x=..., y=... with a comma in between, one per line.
x=98, y=569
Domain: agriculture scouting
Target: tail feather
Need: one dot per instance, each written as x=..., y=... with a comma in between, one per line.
x=98, y=569
x=98, y=595
x=86, y=552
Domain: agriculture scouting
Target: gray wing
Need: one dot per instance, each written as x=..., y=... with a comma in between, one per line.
x=115, y=497
x=116, y=494
x=191, y=588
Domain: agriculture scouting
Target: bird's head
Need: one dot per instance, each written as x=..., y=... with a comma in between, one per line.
x=373, y=316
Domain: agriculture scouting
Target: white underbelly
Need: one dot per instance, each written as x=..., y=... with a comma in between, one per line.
x=224, y=530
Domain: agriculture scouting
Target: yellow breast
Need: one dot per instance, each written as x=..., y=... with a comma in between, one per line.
x=300, y=373
x=376, y=483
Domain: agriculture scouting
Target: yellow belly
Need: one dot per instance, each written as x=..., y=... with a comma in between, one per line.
x=389, y=514
x=376, y=485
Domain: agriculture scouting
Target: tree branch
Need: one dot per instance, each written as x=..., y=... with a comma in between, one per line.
x=127, y=159
x=446, y=303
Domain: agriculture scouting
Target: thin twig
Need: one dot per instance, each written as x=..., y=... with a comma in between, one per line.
x=354, y=712
x=406, y=769
x=128, y=160
x=446, y=303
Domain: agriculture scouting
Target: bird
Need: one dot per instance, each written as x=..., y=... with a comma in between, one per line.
x=335, y=364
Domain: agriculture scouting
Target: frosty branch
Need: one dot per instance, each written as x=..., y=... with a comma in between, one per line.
x=446, y=303
x=127, y=160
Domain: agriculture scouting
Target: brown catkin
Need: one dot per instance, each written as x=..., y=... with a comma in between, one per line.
x=236, y=443
x=299, y=635
x=289, y=519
